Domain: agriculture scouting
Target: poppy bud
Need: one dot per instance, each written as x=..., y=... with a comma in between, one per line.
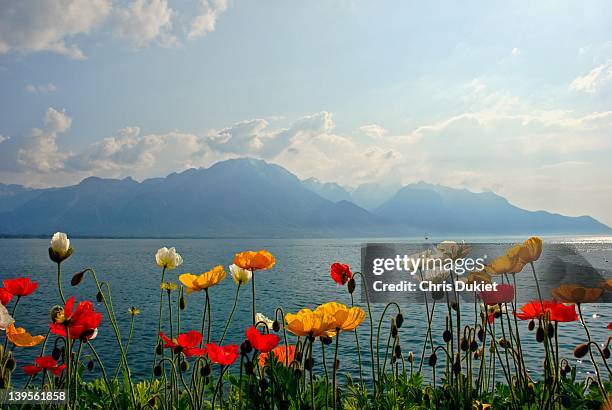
x=10, y=363
x=184, y=366
x=477, y=354
x=99, y=296
x=581, y=350
x=298, y=372
x=326, y=340
x=77, y=278
x=410, y=357
x=398, y=351
x=245, y=347
x=90, y=365
x=504, y=343
x=457, y=364
x=309, y=364
x=182, y=303
x=399, y=320
x=276, y=326
x=336, y=364
x=497, y=314
x=56, y=353
x=426, y=397
x=447, y=336
x=393, y=329
x=594, y=384
x=480, y=334
x=263, y=384
x=562, y=372
x=157, y=370
x=550, y=330
x=351, y=285
x=568, y=369
x=454, y=305
x=464, y=344
x=152, y=402
x=393, y=359
x=159, y=349
x=530, y=387
x=531, y=325
x=540, y=334
x=205, y=371
x=473, y=346
x=606, y=352
x=433, y=359
x=298, y=356
x=178, y=349
x=55, y=312
x=249, y=368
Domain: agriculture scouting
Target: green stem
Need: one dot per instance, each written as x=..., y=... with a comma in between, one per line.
x=335, y=368
x=229, y=320
x=59, y=282
x=253, y=290
x=108, y=386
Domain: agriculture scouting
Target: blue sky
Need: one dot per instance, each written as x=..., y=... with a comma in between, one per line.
x=510, y=97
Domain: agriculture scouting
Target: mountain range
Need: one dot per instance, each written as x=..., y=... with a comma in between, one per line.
x=252, y=198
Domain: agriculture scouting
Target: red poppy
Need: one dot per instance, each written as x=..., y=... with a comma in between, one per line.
x=44, y=363
x=558, y=312
x=223, y=355
x=610, y=326
x=186, y=343
x=340, y=273
x=262, y=342
x=20, y=286
x=282, y=354
x=81, y=322
x=503, y=294
x=5, y=296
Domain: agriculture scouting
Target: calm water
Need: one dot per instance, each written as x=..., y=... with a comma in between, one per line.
x=299, y=279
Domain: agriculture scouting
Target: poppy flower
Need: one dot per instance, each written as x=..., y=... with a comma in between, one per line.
x=5, y=296
x=340, y=273
x=345, y=318
x=494, y=311
x=240, y=276
x=508, y=263
x=44, y=363
x=309, y=323
x=530, y=250
x=478, y=277
x=20, y=338
x=262, y=342
x=223, y=355
x=196, y=283
x=20, y=286
x=282, y=354
x=5, y=318
x=557, y=312
x=260, y=319
x=186, y=343
x=80, y=322
x=610, y=326
x=607, y=285
x=168, y=258
x=576, y=294
x=60, y=248
x=260, y=260
x=503, y=294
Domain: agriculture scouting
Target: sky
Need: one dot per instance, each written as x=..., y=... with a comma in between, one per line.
x=509, y=97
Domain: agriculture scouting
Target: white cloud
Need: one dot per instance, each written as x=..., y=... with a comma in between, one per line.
x=594, y=80
x=143, y=21
x=205, y=22
x=516, y=51
x=28, y=26
x=373, y=130
x=40, y=89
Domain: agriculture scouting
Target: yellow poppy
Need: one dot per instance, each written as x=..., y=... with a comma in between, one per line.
x=309, y=323
x=478, y=277
x=195, y=283
x=607, y=285
x=531, y=250
x=19, y=337
x=168, y=286
x=345, y=319
x=255, y=260
x=576, y=294
x=508, y=263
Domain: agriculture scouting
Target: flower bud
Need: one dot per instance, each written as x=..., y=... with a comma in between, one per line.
x=562, y=372
x=99, y=297
x=457, y=364
x=336, y=364
x=245, y=347
x=157, y=370
x=298, y=356
x=447, y=336
x=205, y=371
x=426, y=397
x=398, y=351
x=178, y=350
x=581, y=350
x=568, y=368
x=298, y=372
x=540, y=334
x=454, y=305
x=351, y=285
x=504, y=343
x=410, y=357
x=184, y=366
x=606, y=352
x=464, y=345
x=152, y=402
x=309, y=364
x=480, y=334
x=393, y=329
x=90, y=365
x=473, y=346
x=550, y=330
x=433, y=359
x=249, y=368
x=159, y=349
x=77, y=278
x=263, y=384
x=531, y=325
x=10, y=363
x=326, y=340
x=56, y=353
x=399, y=320
x=182, y=303
x=276, y=326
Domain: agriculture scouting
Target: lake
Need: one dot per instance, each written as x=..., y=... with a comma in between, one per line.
x=299, y=279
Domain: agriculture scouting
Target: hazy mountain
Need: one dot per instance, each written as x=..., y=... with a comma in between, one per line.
x=372, y=195
x=246, y=197
x=435, y=208
x=328, y=190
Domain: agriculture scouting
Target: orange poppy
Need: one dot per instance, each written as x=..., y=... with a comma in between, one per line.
x=283, y=354
x=251, y=260
x=531, y=249
x=576, y=294
x=20, y=338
